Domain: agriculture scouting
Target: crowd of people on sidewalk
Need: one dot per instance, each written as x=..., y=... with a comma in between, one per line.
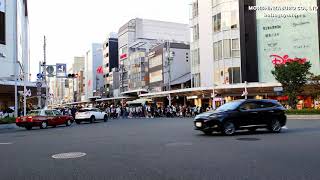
x=150, y=111
x=143, y=111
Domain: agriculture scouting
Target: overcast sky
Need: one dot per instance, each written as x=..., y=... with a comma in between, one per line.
x=72, y=25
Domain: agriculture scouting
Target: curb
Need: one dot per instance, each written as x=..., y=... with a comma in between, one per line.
x=304, y=117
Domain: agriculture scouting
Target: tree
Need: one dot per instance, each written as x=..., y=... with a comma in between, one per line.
x=293, y=76
x=313, y=87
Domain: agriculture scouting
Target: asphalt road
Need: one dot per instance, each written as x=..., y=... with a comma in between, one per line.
x=154, y=149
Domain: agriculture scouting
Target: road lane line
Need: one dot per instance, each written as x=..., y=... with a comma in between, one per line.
x=7, y=143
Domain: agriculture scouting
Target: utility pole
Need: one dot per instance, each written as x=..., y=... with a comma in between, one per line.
x=44, y=67
x=169, y=70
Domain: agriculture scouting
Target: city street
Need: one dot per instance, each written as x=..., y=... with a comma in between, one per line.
x=160, y=149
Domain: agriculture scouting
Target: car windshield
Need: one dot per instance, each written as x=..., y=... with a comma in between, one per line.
x=34, y=113
x=229, y=106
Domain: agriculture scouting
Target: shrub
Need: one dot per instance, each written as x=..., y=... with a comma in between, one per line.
x=8, y=120
x=303, y=111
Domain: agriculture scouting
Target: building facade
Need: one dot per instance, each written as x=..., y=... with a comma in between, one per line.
x=234, y=43
x=94, y=80
x=14, y=38
x=215, y=47
x=110, y=64
x=79, y=85
x=169, y=65
x=135, y=40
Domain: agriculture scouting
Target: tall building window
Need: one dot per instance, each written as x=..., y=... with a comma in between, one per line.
x=2, y=28
x=234, y=19
x=195, y=9
x=195, y=32
x=196, y=80
x=226, y=48
x=217, y=23
x=235, y=48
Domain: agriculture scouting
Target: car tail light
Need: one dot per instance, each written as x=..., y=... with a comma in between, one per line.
x=30, y=119
x=18, y=119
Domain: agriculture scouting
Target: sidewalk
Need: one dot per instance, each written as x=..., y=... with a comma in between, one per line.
x=304, y=117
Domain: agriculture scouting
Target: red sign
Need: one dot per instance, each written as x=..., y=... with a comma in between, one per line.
x=100, y=70
x=285, y=59
x=123, y=56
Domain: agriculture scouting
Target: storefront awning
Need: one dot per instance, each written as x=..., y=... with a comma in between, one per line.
x=114, y=98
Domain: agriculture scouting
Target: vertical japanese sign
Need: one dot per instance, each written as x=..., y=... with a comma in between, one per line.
x=286, y=30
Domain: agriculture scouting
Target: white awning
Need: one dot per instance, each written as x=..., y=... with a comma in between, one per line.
x=139, y=101
x=114, y=98
x=135, y=91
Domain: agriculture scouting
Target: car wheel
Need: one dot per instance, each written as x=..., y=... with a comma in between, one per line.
x=275, y=126
x=105, y=119
x=229, y=128
x=68, y=123
x=207, y=132
x=92, y=119
x=78, y=122
x=44, y=125
x=28, y=127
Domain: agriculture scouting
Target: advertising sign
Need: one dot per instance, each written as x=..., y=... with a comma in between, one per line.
x=3, y=5
x=61, y=70
x=286, y=31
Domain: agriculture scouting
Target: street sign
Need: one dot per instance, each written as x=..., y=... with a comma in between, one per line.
x=50, y=71
x=39, y=84
x=40, y=75
x=28, y=93
x=61, y=71
x=278, y=89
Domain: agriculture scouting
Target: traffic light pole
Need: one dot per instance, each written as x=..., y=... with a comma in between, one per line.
x=39, y=96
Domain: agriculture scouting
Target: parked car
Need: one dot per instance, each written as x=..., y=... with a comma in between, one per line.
x=90, y=115
x=242, y=114
x=43, y=118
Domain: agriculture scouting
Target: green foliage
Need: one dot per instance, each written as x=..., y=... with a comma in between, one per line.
x=303, y=111
x=313, y=87
x=8, y=120
x=293, y=76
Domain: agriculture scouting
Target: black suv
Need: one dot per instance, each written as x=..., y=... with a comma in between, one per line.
x=243, y=114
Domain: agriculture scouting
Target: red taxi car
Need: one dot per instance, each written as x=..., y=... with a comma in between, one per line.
x=43, y=119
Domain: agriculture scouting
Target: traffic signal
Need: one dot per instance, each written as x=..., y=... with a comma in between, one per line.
x=72, y=76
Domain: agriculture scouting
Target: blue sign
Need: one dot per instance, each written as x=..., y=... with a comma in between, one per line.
x=40, y=76
x=61, y=70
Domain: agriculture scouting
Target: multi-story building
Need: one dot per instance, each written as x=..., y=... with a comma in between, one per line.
x=14, y=52
x=79, y=85
x=169, y=65
x=110, y=63
x=233, y=43
x=135, y=40
x=94, y=79
x=14, y=38
x=215, y=47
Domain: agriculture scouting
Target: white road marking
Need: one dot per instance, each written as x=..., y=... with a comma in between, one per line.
x=7, y=143
x=285, y=127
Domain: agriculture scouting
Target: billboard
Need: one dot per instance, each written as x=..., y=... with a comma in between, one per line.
x=286, y=31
